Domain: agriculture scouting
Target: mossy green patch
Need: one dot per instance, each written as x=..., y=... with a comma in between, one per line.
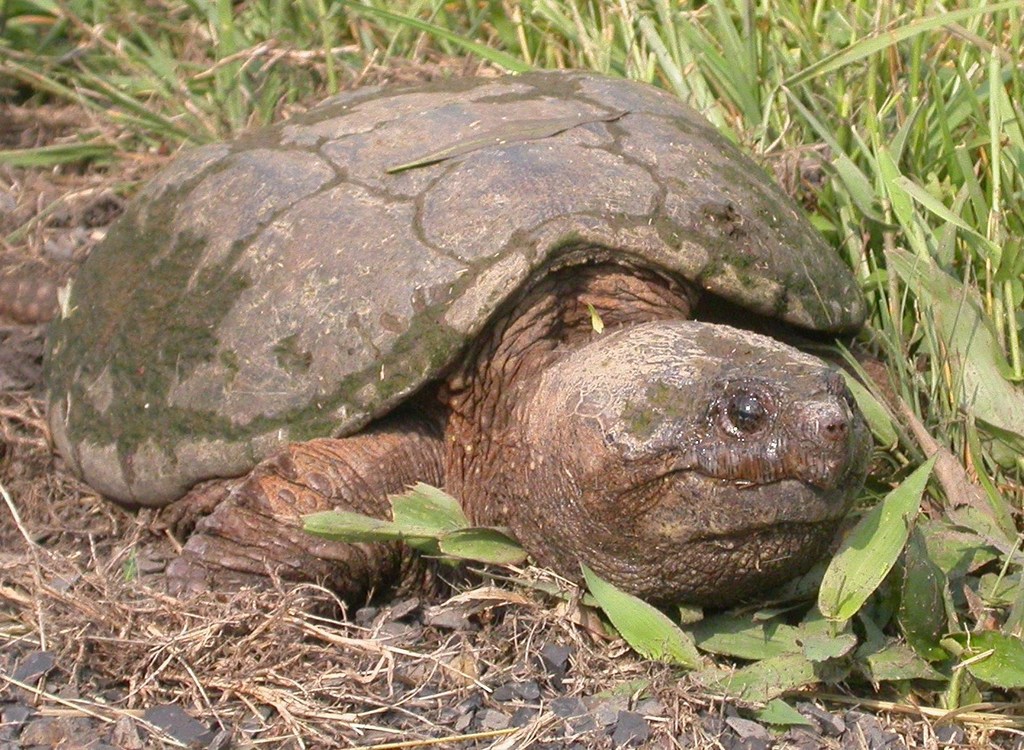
x=290, y=357
x=661, y=401
x=231, y=363
x=146, y=320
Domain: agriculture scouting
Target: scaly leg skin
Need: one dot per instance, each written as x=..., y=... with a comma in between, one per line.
x=255, y=530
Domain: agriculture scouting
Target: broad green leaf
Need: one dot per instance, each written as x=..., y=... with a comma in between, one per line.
x=344, y=526
x=896, y=661
x=922, y=611
x=427, y=511
x=781, y=714
x=914, y=231
x=999, y=589
x=995, y=658
x=484, y=545
x=822, y=647
x=956, y=550
x=1014, y=622
x=762, y=681
x=645, y=628
x=739, y=637
x=987, y=528
x=870, y=550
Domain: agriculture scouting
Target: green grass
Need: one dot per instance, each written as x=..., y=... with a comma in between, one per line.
x=921, y=113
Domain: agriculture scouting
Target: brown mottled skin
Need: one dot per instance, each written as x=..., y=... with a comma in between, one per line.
x=733, y=487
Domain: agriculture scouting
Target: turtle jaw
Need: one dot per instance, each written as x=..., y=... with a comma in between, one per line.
x=719, y=571
x=692, y=508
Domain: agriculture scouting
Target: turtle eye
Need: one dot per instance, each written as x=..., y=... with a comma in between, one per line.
x=746, y=412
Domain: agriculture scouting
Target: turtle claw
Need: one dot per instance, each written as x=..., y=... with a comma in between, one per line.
x=199, y=569
x=181, y=517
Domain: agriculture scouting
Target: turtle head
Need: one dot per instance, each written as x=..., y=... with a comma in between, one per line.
x=685, y=461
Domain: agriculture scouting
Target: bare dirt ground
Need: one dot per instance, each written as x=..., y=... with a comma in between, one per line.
x=94, y=653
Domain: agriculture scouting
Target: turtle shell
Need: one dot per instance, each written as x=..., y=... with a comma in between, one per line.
x=306, y=278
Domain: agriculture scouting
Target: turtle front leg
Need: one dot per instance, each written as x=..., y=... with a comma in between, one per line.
x=255, y=528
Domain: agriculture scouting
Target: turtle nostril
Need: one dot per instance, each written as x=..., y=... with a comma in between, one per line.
x=829, y=423
x=835, y=429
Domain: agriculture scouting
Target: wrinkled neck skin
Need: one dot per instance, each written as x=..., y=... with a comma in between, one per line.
x=484, y=437
x=682, y=461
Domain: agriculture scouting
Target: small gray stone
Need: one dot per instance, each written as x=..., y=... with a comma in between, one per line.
x=365, y=616
x=223, y=740
x=606, y=712
x=14, y=717
x=631, y=730
x=582, y=724
x=33, y=666
x=745, y=728
x=490, y=719
x=467, y=710
x=449, y=618
x=713, y=724
x=404, y=608
x=555, y=655
x=732, y=742
x=554, y=659
x=567, y=707
x=399, y=632
x=150, y=565
x=503, y=693
x=830, y=724
x=864, y=730
x=16, y=713
x=472, y=703
x=527, y=691
x=651, y=707
x=950, y=734
x=175, y=722
x=803, y=738
x=126, y=734
x=523, y=716
x=61, y=731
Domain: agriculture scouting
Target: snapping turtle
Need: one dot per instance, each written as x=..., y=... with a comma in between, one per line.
x=405, y=284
